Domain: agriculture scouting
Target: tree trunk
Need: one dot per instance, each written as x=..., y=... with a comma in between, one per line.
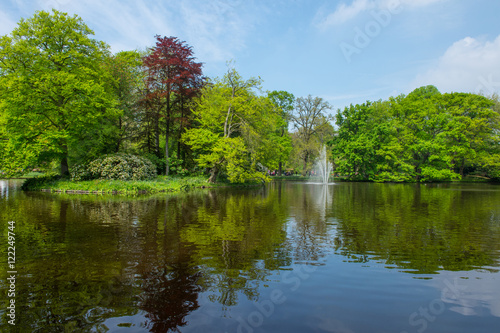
x=417, y=173
x=64, y=166
x=213, y=175
x=166, y=148
x=304, y=171
x=64, y=162
x=462, y=167
x=279, y=168
x=167, y=132
x=118, y=143
x=179, y=148
x=157, y=135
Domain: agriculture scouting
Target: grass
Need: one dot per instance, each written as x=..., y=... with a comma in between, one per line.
x=294, y=177
x=161, y=184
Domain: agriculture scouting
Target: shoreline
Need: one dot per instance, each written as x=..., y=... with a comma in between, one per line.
x=163, y=184
x=124, y=187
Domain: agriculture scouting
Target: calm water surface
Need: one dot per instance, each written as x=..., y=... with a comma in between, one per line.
x=288, y=257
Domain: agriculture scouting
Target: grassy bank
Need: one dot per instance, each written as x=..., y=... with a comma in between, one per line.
x=161, y=184
x=289, y=178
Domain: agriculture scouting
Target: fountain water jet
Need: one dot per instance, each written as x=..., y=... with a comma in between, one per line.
x=323, y=166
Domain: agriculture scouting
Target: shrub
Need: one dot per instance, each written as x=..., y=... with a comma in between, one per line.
x=158, y=162
x=116, y=166
x=37, y=183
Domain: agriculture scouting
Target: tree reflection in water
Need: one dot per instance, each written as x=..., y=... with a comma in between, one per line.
x=85, y=260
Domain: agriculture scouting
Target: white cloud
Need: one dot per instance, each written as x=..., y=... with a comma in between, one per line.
x=346, y=12
x=215, y=29
x=419, y=3
x=406, y=3
x=469, y=65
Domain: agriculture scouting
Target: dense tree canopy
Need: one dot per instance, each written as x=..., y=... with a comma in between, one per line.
x=52, y=88
x=236, y=132
x=284, y=102
x=65, y=101
x=423, y=136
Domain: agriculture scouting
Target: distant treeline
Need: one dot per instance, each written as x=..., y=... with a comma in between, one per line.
x=424, y=136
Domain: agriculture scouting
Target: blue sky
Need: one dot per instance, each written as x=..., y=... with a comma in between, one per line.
x=346, y=51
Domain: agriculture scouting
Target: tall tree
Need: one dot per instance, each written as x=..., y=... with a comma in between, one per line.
x=284, y=101
x=172, y=76
x=52, y=87
x=425, y=122
x=470, y=127
x=125, y=68
x=366, y=146
x=424, y=136
x=116, y=133
x=312, y=125
x=236, y=128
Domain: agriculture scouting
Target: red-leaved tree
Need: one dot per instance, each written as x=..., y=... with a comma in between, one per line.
x=173, y=78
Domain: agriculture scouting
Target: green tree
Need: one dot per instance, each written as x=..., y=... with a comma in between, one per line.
x=284, y=101
x=236, y=129
x=470, y=129
x=126, y=69
x=489, y=160
x=52, y=88
x=424, y=136
x=366, y=145
x=312, y=128
x=113, y=133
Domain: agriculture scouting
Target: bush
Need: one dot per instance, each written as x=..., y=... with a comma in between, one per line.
x=493, y=173
x=430, y=174
x=37, y=183
x=116, y=166
x=158, y=162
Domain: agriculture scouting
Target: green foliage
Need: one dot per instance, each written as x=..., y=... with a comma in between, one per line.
x=237, y=129
x=52, y=88
x=158, y=162
x=38, y=183
x=283, y=101
x=115, y=132
x=66, y=100
x=116, y=166
x=176, y=165
x=313, y=129
x=159, y=185
x=425, y=136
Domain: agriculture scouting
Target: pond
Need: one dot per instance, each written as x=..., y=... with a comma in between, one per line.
x=285, y=257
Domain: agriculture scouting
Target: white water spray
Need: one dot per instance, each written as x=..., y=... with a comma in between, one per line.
x=323, y=166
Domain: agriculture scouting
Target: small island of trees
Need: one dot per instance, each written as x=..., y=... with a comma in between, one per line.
x=71, y=106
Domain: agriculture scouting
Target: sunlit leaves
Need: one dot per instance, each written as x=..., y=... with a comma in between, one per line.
x=424, y=136
x=237, y=129
x=51, y=86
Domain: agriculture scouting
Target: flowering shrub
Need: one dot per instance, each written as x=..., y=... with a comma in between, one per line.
x=116, y=166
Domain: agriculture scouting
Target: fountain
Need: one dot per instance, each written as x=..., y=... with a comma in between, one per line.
x=323, y=166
